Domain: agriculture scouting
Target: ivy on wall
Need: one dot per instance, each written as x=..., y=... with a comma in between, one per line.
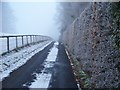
x=115, y=13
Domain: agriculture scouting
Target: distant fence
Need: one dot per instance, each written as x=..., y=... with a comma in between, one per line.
x=9, y=43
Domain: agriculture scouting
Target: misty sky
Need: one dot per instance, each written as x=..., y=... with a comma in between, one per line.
x=35, y=18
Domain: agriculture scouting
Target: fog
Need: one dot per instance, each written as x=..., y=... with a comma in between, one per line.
x=32, y=18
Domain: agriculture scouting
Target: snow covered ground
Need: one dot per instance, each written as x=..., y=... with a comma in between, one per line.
x=14, y=60
x=42, y=79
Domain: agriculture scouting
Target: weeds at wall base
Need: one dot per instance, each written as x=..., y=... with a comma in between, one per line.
x=80, y=76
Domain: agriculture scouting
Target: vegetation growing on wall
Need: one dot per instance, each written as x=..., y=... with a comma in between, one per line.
x=90, y=40
x=115, y=13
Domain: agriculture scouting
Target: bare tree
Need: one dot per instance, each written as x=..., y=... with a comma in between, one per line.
x=68, y=12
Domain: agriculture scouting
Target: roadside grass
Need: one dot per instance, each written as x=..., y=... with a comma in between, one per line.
x=81, y=77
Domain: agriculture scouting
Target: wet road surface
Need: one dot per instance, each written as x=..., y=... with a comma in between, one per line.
x=23, y=74
x=62, y=74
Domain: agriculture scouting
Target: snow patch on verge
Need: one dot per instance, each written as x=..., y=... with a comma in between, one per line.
x=42, y=79
x=14, y=60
